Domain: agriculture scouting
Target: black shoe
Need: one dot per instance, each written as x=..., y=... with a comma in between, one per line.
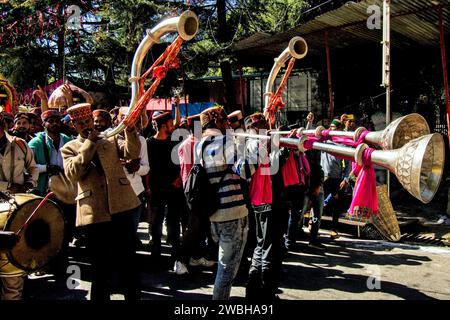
x=139, y=245
x=316, y=245
x=302, y=235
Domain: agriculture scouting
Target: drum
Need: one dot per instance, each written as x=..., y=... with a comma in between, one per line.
x=39, y=241
x=63, y=189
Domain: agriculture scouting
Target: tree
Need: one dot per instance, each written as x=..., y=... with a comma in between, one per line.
x=37, y=46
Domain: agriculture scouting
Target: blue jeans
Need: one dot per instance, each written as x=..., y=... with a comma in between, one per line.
x=231, y=237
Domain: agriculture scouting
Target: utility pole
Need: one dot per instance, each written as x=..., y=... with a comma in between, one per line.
x=387, y=65
x=225, y=65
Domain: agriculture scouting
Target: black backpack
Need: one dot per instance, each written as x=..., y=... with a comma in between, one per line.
x=201, y=196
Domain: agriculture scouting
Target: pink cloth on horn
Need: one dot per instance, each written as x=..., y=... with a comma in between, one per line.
x=261, y=186
x=365, y=198
x=289, y=172
x=305, y=169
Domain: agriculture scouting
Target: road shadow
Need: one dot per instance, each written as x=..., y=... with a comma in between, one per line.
x=314, y=270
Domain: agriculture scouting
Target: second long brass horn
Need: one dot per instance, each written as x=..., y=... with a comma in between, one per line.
x=394, y=136
x=297, y=49
x=418, y=165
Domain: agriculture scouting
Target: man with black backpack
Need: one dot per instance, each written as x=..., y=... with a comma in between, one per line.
x=225, y=206
x=193, y=249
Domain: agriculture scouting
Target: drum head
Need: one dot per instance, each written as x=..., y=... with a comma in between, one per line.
x=63, y=188
x=42, y=239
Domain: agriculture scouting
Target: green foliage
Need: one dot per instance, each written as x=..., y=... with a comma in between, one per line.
x=112, y=29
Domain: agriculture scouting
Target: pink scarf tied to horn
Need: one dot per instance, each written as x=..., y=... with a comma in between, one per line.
x=365, y=198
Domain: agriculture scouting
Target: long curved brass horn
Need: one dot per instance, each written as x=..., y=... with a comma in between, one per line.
x=297, y=49
x=418, y=165
x=186, y=25
x=291, y=143
x=394, y=136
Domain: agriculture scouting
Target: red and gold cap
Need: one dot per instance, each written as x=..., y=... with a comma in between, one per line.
x=80, y=111
x=50, y=113
x=102, y=113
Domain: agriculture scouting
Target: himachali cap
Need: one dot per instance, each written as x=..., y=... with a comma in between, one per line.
x=102, y=113
x=80, y=111
x=235, y=116
x=50, y=113
x=161, y=117
x=254, y=118
x=213, y=113
x=160, y=114
x=21, y=115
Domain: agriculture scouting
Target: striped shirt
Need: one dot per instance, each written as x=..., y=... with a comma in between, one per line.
x=221, y=165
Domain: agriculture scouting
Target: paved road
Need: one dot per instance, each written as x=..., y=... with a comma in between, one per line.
x=348, y=269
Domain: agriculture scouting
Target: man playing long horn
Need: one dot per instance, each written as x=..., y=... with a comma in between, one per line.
x=106, y=218
x=229, y=222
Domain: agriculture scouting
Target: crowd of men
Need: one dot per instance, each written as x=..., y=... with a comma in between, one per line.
x=263, y=191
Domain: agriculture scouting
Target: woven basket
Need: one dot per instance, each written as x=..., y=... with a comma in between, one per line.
x=386, y=221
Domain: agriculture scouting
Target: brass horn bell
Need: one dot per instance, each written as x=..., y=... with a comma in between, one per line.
x=418, y=165
x=394, y=136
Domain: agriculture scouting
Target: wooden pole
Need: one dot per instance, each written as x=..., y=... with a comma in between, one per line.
x=330, y=82
x=387, y=65
x=444, y=68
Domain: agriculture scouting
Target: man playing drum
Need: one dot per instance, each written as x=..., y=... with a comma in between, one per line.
x=16, y=159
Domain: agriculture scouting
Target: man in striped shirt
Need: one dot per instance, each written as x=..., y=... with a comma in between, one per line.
x=229, y=224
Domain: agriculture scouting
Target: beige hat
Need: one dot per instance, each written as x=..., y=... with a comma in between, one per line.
x=212, y=113
x=235, y=116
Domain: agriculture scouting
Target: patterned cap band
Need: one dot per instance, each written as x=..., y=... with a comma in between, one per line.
x=213, y=113
x=80, y=111
x=50, y=113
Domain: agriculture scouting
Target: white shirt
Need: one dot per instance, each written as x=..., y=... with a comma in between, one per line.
x=136, y=177
x=55, y=155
